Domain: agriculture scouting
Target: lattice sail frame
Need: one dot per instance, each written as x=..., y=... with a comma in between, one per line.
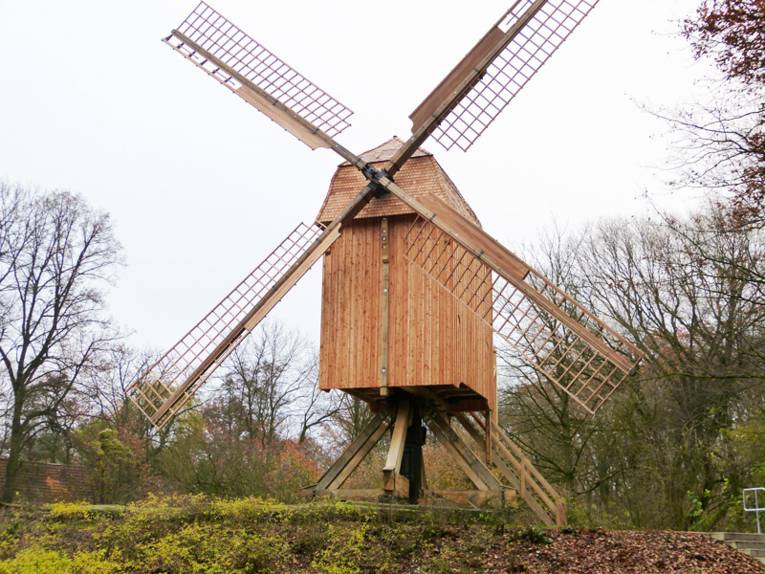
x=512, y=69
x=235, y=48
x=542, y=341
x=154, y=389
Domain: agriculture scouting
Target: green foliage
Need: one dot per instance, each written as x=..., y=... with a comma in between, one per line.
x=197, y=534
x=213, y=549
x=40, y=561
x=114, y=474
x=343, y=551
x=69, y=510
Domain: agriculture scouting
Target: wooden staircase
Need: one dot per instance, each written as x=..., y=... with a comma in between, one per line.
x=512, y=464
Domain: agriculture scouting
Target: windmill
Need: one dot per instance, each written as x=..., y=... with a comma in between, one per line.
x=414, y=292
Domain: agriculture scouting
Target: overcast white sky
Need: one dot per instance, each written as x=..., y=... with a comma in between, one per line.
x=201, y=186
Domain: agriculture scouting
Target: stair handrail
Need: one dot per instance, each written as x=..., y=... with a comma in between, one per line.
x=758, y=506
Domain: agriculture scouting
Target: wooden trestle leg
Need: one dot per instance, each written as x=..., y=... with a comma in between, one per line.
x=354, y=453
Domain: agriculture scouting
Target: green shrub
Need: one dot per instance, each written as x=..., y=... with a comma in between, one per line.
x=40, y=561
x=69, y=510
x=212, y=549
x=343, y=551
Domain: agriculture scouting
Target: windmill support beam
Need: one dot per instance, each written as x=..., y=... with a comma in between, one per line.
x=506, y=458
x=476, y=471
x=393, y=481
x=354, y=453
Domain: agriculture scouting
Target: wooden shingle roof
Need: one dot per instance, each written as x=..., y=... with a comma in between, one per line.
x=421, y=175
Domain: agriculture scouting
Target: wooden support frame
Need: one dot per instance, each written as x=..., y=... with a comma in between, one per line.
x=506, y=458
x=489, y=489
x=488, y=447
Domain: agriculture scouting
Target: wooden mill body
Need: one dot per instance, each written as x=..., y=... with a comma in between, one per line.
x=398, y=327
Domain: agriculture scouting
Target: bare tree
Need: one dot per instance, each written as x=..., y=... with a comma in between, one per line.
x=317, y=408
x=56, y=254
x=701, y=323
x=265, y=381
x=351, y=416
x=724, y=143
x=106, y=386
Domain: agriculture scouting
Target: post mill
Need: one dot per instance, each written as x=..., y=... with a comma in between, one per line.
x=415, y=294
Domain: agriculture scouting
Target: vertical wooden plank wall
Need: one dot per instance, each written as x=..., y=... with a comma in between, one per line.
x=433, y=339
x=349, y=346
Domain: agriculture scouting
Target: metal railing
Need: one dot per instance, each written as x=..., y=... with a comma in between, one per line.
x=754, y=501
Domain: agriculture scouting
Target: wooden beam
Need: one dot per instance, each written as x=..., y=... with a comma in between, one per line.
x=465, y=405
x=517, y=478
x=468, y=498
x=476, y=470
x=397, y=485
x=488, y=447
x=360, y=494
x=532, y=484
x=384, y=307
x=392, y=468
x=350, y=458
x=359, y=456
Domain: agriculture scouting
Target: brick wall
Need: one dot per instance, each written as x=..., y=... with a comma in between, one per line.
x=46, y=482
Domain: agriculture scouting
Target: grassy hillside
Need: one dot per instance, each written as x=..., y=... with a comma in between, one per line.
x=199, y=535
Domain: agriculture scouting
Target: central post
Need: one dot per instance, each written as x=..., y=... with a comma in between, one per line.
x=404, y=470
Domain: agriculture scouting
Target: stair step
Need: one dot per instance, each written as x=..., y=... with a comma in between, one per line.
x=759, y=546
x=743, y=537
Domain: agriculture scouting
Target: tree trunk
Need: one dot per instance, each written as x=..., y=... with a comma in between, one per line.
x=14, y=453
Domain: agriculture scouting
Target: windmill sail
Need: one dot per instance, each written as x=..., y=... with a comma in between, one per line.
x=476, y=91
x=262, y=79
x=548, y=329
x=165, y=387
